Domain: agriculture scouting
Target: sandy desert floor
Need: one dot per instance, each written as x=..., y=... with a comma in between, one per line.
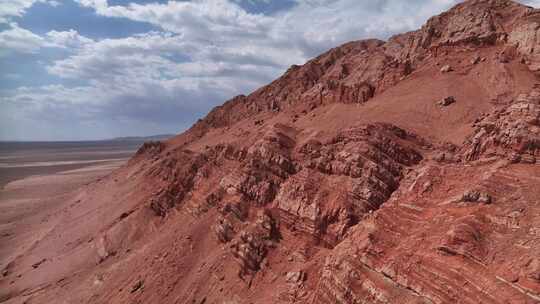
x=31, y=206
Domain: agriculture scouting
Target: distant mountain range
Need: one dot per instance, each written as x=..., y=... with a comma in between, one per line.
x=121, y=139
x=143, y=138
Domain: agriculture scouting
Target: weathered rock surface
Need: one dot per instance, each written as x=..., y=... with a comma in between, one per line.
x=342, y=181
x=177, y=172
x=253, y=243
x=512, y=130
x=393, y=257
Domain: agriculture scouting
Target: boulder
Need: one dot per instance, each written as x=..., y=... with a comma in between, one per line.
x=446, y=68
x=473, y=196
x=224, y=230
x=446, y=101
x=295, y=277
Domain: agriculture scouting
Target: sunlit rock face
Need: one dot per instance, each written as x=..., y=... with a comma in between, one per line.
x=353, y=178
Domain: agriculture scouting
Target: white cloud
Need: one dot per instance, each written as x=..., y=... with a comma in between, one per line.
x=9, y=8
x=296, y=34
x=54, y=3
x=194, y=17
x=67, y=39
x=533, y=3
x=147, y=66
x=19, y=40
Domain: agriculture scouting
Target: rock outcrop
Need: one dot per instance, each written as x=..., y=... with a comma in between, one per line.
x=177, y=172
x=253, y=243
x=343, y=181
x=513, y=130
x=421, y=241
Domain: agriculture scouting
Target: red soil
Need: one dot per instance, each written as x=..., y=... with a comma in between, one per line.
x=343, y=181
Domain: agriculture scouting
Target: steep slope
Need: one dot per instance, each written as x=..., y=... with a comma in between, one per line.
x=403, y=171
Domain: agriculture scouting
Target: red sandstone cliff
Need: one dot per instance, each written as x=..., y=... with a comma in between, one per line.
x=404, y=171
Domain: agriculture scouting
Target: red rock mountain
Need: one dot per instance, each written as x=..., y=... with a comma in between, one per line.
x=399, y=171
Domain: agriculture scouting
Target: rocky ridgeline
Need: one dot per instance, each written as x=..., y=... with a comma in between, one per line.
x=476, y=24
x=357, y=71
x=525, y=37
x=390, y=224
x=512, y=131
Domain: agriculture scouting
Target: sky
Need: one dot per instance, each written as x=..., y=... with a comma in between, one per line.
x=96, y=69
